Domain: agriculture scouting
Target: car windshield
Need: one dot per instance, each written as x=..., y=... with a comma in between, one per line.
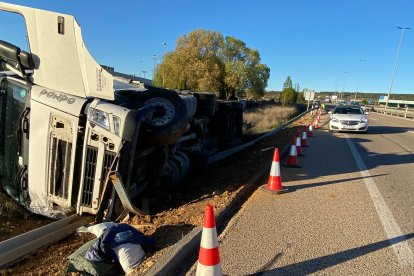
x=347, y=110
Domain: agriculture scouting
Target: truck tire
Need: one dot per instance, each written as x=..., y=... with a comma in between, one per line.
x=169, y=120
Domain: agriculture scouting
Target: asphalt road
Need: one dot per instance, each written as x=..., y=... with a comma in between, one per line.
x=349, y=212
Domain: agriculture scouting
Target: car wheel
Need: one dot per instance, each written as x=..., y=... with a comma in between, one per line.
x=169, y=120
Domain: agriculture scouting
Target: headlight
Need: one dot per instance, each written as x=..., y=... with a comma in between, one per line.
x=335, y=120
x=99, y=117
x=117, y=124
x=364, y=120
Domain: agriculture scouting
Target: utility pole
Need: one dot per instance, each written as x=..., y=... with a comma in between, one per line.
x=143, y=71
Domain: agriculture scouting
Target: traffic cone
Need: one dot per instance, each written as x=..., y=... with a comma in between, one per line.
x=292, y=161
x=316, y=124
x=274, y=184
x=304, y=138
x=209, y=257
x=298, y=144
x=310, y=129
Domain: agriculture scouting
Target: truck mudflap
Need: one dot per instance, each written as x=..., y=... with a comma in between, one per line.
x=119, y=186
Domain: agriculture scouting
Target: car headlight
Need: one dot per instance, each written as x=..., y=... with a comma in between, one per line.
x=364, y=120
x=335, y=120
x=99, y=117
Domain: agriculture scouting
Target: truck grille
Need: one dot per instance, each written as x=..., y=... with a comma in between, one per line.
x=89, y=175
x=60, y=167
x=107, y=165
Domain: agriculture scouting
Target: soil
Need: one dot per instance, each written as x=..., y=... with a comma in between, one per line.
x=175, y=217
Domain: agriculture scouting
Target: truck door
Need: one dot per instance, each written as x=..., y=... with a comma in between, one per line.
x=14, y=136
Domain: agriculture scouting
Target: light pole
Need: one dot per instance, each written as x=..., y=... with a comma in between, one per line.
x=140, y=66
x=163, y=70
x=143, y=71
x=395, y=63
x=343, y=84
x=154, y=57
x=359, y=78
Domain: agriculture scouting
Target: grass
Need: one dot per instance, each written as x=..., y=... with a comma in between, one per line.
x=263, y=119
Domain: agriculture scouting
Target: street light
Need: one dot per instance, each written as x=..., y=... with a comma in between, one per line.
x=140, y=66
x=343, y=84
x=359, y=78
x=154, y=57
x=163, y=70
x=395, y=63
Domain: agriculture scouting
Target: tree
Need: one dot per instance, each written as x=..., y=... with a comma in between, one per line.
x=205, y=61
x=288, y=83
x=289, y=96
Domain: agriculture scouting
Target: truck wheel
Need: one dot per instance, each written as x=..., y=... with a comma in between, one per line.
x=169, y=120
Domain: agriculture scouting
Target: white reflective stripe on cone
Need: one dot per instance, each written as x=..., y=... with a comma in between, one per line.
x=293, y=151
x=209, y=238
x=275, y=170
x=304, y=135
x=298, y=143
x=214, y=270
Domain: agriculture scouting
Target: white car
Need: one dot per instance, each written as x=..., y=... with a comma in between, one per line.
x=348, y=118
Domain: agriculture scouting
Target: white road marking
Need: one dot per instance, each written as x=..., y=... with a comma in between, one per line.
x=401, y=248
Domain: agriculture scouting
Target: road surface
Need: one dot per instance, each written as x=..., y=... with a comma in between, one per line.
x=350, y=211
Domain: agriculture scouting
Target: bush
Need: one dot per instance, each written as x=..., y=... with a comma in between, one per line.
x=288, y=97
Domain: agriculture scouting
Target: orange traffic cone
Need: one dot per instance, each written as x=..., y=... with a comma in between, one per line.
x=310, y=129
x=304, y=138
x=298, y=143
x=274, y=184
x=209, y=257
x=292, y=161
x=316, y=124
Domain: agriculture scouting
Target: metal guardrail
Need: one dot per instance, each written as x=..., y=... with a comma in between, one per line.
x=224, y=154
x=405, y=113
x=13, y=249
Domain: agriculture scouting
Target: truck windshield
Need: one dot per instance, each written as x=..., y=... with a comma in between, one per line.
x=12, y=104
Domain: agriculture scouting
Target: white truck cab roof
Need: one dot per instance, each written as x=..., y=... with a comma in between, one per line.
x=61, y=60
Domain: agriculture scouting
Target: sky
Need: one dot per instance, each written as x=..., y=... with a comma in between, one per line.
x=324, y=45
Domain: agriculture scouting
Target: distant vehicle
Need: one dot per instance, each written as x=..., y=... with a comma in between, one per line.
x=316, y=104
x=366, y=108
x=348, y=118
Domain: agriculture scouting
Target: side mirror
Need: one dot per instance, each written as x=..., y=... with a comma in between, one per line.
x=9, y=51
x=13, y=54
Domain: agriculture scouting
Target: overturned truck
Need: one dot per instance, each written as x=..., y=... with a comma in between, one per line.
x=74, y=140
